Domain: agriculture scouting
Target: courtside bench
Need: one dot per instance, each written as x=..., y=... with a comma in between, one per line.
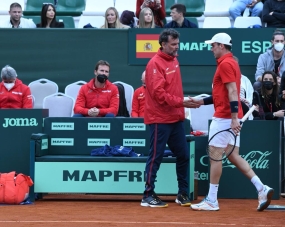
x=61, y=160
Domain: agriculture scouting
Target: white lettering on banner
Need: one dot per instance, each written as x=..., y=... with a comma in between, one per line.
x=99, y=126
x=194, y=46
x=97, y=142
x=134, y=142
x=62, y=126
x=256, y=47
x=134, y=127
x=62, y=142
x=19, y=122
x=256, y=159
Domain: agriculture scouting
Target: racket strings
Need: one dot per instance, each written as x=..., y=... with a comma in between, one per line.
x=218, y=152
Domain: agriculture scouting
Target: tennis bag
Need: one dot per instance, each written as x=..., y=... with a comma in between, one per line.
x=14, y=188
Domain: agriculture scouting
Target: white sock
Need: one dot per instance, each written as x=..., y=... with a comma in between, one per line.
x=213, y=192
x=257, y=183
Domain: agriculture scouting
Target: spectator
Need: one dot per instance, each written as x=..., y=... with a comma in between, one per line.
x=128, y=18
x=270, y=101
x=99, y=97
x=274, y=13
x=13, y=93
x=139, y=99
x=112, y=19
x=156, y=6
x=16, y=20
x=48, y=17
x=272, y=60
x=255, y=8
x=146, y=19
x=178, y=12
x=246, y=93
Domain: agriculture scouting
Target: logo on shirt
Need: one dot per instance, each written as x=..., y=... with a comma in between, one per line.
x=106, y=91
x=154, y=71
x=17, y=93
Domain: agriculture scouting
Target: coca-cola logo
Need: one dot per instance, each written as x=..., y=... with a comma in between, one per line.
x=255, y=159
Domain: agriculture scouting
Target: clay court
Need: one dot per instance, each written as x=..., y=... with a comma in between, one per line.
x=124, y=210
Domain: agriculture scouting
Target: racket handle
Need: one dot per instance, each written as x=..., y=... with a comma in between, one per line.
x=248, y=113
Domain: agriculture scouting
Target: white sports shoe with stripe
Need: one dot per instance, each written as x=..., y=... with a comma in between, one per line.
x=207, y=205
x=264, y=197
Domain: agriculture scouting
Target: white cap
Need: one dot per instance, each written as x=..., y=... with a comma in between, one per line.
x=223, y=38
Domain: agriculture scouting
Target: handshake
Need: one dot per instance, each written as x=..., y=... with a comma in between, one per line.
x=192, y=102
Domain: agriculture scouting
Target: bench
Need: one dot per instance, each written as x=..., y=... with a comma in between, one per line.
x=61, y=160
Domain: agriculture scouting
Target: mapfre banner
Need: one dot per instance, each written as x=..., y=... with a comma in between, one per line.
x=248, y=44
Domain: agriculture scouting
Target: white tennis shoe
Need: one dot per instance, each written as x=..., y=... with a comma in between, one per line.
x=264, y=197
x=207, y=205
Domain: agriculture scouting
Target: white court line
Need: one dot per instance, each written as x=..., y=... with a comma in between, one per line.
x=137, y=222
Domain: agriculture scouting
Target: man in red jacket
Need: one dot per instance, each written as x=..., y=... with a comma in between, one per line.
x=164, y=112
x=13, y=93
x=99, y=97
x=139, y=99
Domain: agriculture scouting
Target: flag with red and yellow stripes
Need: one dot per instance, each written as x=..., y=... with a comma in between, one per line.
x=146, y=45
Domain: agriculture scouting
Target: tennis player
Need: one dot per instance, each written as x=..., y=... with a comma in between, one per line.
x=228, y=112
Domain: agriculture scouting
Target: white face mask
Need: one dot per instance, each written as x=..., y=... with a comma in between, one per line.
x=9, y=85
x=279, y=46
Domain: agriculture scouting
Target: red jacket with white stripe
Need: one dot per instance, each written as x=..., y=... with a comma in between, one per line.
x=105, y=99
x=164, y=92
x=18, y=97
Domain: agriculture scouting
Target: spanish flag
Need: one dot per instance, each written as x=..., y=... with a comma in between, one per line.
x=146, y=45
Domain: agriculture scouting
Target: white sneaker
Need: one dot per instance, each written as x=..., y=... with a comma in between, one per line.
x=264, y=197
x=206, y=204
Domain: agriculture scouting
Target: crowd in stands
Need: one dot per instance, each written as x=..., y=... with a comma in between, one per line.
x=152, y=14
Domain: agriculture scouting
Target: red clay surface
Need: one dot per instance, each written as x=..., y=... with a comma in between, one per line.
x=123, y=210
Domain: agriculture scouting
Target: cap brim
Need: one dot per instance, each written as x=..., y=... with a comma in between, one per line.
x=209, y=41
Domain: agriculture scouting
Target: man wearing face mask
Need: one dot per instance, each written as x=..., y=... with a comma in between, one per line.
x=272, y=60
x=139, y=99
x=99, y=97
x=13, y=93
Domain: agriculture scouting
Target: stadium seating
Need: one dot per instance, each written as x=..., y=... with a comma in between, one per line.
x=97, y=7
x=42, y=88
x=63, y=8
x=70, y=7
x=217, y=22
x=5, y=6
x=194, y=8
x=73, y=89
x=129, y=92
x=94, y=21
x=168, y=4
x=59, y=105
x=67, y=20
x=34, y=7
x=245, y=22
x=214, y=8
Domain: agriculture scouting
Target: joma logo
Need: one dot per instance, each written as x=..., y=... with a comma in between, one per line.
x=19, y=122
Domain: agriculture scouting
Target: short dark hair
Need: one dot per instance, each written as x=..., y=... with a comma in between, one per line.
x=101, y=62
x=15, y=4
x=180, y=8
x=277, y=32
x=228, y=47
x=164, y=35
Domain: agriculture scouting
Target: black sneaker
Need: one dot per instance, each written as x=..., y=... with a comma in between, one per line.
x=153, y=201
x=183, y=200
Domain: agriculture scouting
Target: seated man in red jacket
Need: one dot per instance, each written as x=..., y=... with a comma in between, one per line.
x=13, y=93
x=139, y=99
x=99, y=97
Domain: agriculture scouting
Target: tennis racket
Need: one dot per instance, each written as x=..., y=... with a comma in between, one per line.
x=227, y=135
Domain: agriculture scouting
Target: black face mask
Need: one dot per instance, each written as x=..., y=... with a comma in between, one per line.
x=268, y=85
x=102, y=78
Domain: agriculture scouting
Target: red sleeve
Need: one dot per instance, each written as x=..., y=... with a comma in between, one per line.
x=156, y=86
x=138, y=8
x=79, y=107
x=114, y=103
x=27, y=102
x=135, y=104
x=161, y=11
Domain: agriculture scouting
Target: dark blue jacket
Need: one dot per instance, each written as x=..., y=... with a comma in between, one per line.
x=186, y=24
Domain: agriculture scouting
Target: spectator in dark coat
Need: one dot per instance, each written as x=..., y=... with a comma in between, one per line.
x=48, y=17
